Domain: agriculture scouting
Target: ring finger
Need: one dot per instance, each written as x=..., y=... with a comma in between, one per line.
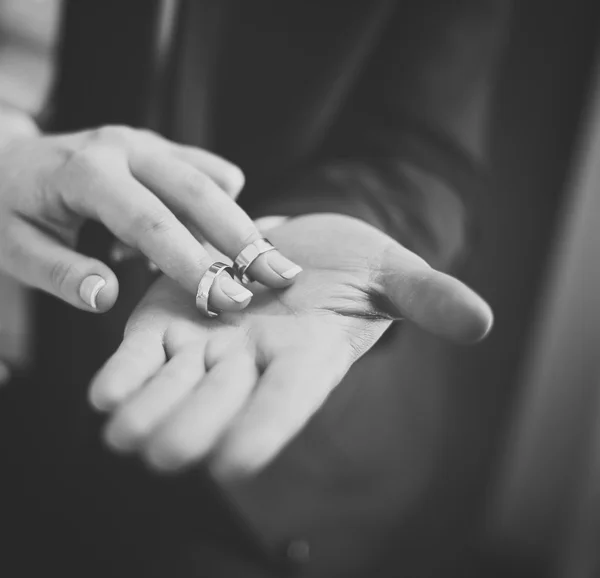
x=140, y=414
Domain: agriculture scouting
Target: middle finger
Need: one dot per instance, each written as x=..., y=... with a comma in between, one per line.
x=196, y=197
x=190, y=432
x=140, y=219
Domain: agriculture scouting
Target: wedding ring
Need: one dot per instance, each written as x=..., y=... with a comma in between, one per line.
x=206, y=284
x=248, y=255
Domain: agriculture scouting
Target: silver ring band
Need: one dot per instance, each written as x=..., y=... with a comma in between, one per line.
x=248, y=255
x=206, y=284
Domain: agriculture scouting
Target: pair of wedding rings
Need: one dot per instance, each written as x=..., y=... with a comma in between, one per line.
x=242, y=262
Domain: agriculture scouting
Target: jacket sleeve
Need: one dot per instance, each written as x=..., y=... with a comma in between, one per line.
x=407, y=153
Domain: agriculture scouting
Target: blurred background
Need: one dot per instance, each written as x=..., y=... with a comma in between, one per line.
x=497, y=446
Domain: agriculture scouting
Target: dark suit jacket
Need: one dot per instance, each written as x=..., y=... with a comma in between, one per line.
x=374, y=109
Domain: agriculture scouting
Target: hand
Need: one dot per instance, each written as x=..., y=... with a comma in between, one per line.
x=151, y=193
x=236, y=389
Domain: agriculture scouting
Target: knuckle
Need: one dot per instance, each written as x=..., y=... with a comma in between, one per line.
x=170, y=452
x=148, y=134
x=182, y=334
x=130, y=427
x=83, y=161
x=81, y=169
x=249, y=234
x=60, y=275
x=112, y=134
x=235, y=466
x=84, y=169
x=180, y=448
x=133, y=326
x=151, y=223
x=197, y=183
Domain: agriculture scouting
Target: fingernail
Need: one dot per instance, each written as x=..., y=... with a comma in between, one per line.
x=234, y=290
x=89, y=289
x=291, y=273
x=282, y=266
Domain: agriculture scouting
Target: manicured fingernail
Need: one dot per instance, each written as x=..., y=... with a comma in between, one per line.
x=291, y=273
x=234, y=290
x=90, y=288
x=282, y=266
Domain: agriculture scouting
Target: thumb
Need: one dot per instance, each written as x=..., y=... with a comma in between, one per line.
x=435, y=301
x=41, y=261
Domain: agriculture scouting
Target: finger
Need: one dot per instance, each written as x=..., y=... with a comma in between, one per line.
x=140, y=219
x=190, y=432
x=168, y=244
x=138, y=358
x=142, y=412
x=225, y=174
x=266, y=223
x=224, y=224
x=290, y=391
x=35, y=258
x=435, y=301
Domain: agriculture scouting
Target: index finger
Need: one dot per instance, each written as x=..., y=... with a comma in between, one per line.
x=195, y=197
x=223, y=172
x=103, y=189
x=292, y=388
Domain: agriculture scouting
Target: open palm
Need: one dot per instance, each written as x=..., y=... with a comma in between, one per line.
x=236, y=389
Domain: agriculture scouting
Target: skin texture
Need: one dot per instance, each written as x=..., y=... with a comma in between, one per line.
x=235, y=390
x=149, y=192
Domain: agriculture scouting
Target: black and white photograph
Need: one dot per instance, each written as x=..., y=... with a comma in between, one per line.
x=299, y=289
